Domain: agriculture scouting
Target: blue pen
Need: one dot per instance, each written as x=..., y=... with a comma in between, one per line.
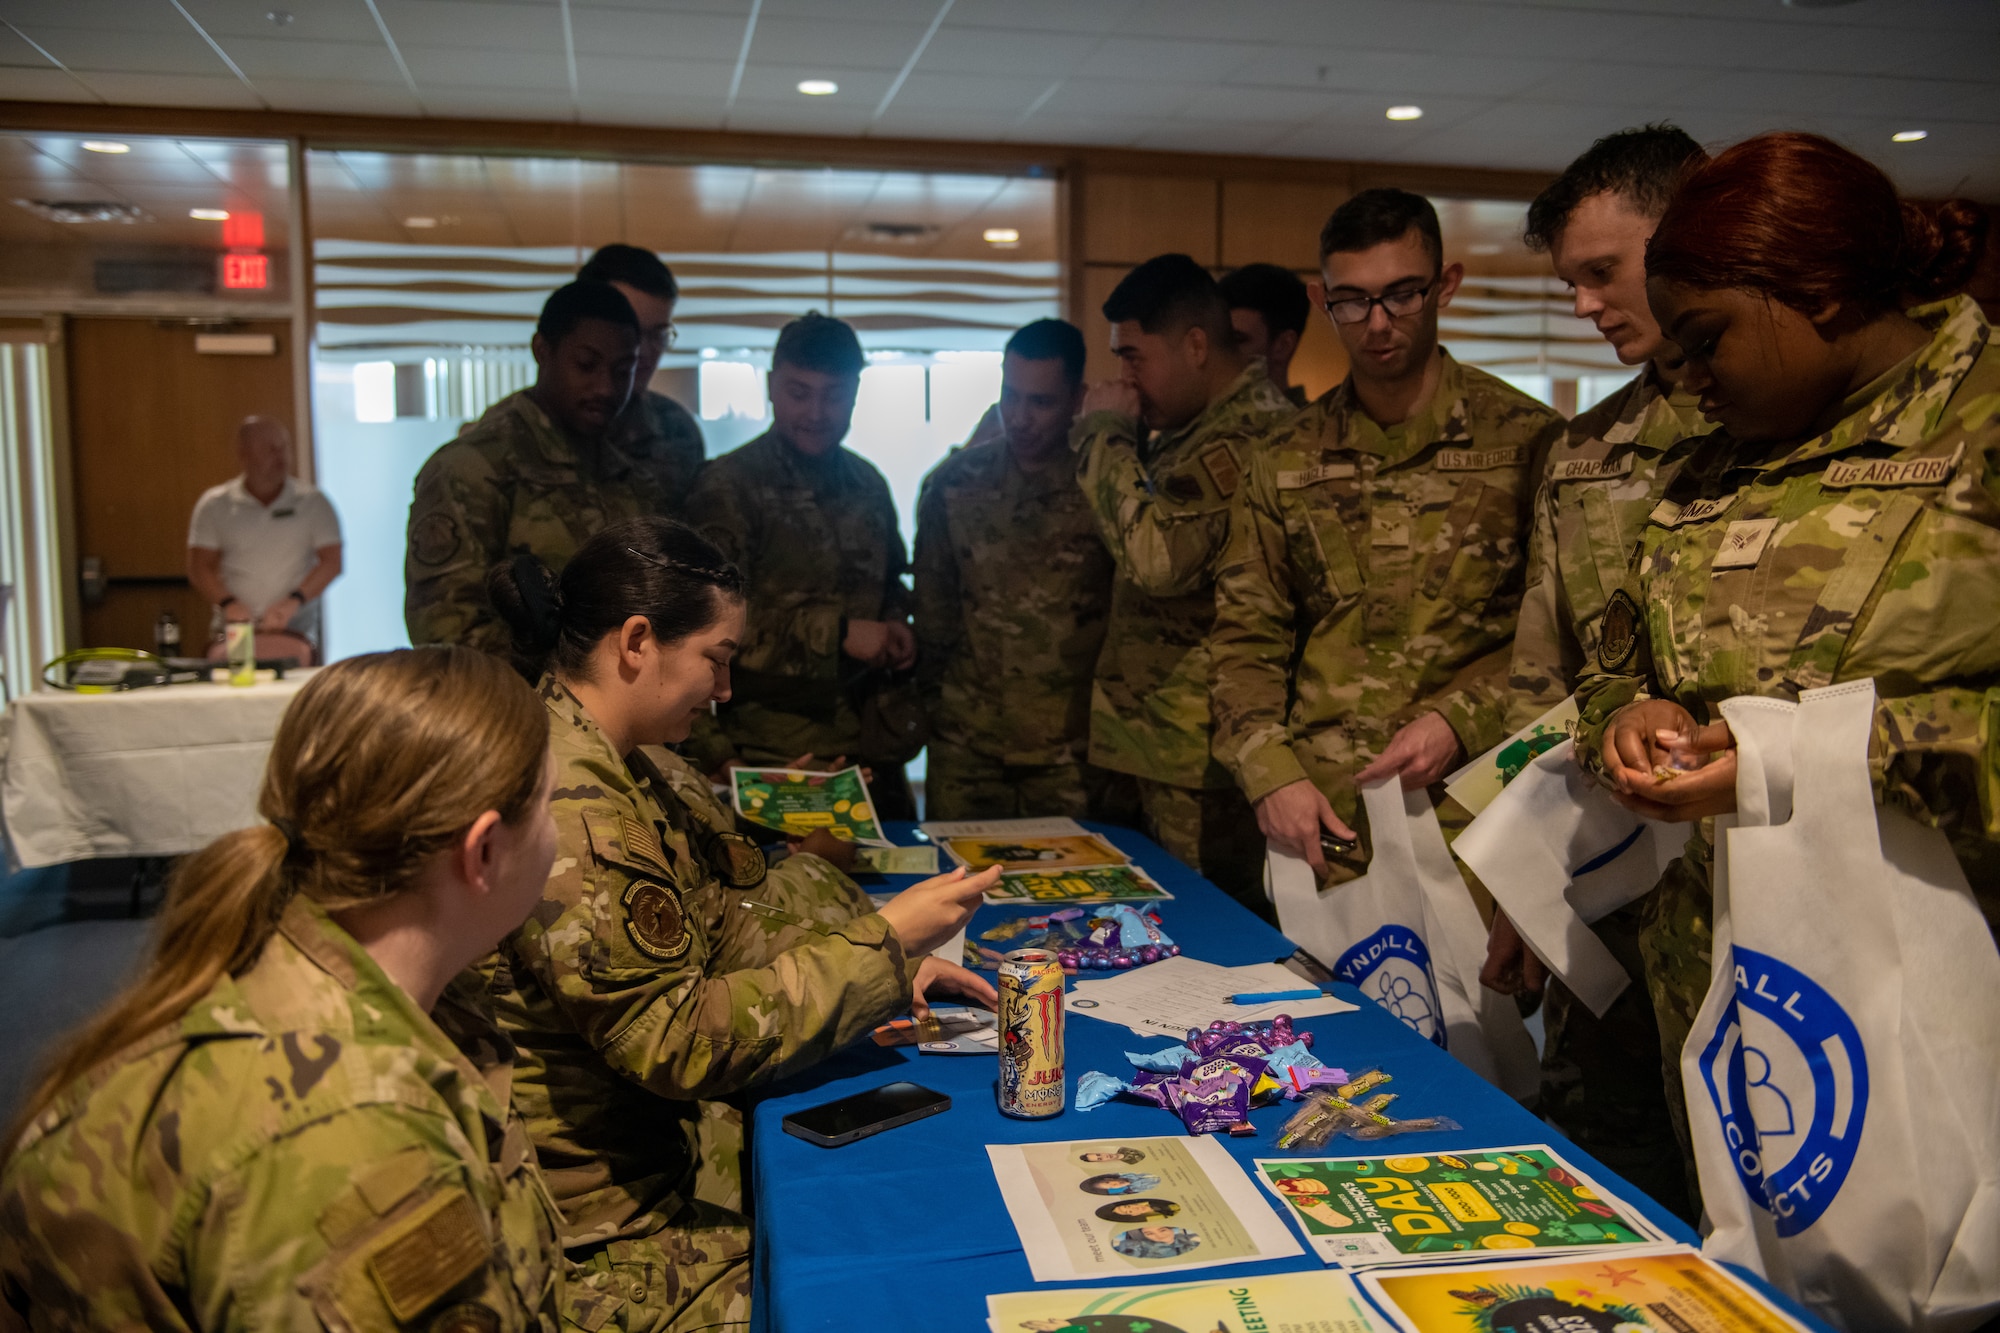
x=1267, y=996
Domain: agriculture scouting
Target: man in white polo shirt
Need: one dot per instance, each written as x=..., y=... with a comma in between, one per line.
x=263, y=547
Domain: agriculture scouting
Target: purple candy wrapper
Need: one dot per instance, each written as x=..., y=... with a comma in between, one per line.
x=1216, y=1094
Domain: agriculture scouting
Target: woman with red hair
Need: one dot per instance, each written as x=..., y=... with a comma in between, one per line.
x=1843, y=524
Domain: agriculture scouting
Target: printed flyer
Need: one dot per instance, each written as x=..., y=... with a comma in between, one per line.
x=1652, y=1291
x=1118, y=1208
x=1322, y=1302
x=1037, y=854
x=1475, y=785
x=796, y=802
x=1362, y=1211
x=1092, y=884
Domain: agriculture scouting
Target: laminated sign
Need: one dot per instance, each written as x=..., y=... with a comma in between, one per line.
x=1841, y=1074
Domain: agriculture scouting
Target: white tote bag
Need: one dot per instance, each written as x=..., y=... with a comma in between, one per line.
x=1408, y=935
x=1558, y=853
x=1843, y=1074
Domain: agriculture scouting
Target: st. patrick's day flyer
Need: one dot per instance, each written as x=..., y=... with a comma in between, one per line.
x=1364, y=1211
x=1119, y=1208
x=797, y=802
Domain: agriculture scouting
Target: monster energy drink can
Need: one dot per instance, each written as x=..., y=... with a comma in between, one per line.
x=1031, y=1034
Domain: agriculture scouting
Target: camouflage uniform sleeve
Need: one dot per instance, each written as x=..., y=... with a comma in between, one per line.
x=362, y=1221
x=1478, y=703
x=1252, y=643
x=457, y=530
x=1600, y=692
x=640, y=993
x=1546, y=656
x=1937, y=754
x=1164, y=554
x=940, y=618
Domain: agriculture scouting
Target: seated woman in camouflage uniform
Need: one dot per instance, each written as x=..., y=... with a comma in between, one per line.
x=271, y=1128
x=1842, y=524
x=666, y=965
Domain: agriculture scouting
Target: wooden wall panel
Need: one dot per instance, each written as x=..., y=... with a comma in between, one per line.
x=1276, y=222
x=1132, y=218
x=1321, y=361
x=1098, y=280
x=153, y=425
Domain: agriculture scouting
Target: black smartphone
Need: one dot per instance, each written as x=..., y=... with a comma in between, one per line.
x=865, y=1113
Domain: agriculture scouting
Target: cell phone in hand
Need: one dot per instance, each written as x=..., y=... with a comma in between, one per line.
x=865, y=1113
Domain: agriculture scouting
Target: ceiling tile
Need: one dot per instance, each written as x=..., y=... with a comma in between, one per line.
x=129, y=50
x=223, y=90
x=462, y=23
x=310, y=20
x=964, y=49
x=826, y=44
x=276, y=59
x=970, y=94
x=644, y=35
x=608, y=79
x=47, y=84
x=485, y=71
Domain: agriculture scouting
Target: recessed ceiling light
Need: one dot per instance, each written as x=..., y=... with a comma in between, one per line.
x=106, y=146
x=420, y=223
x=209, y=214
x=1404, y=112
x=1910, y=136
x=818, y=87
x=279, y=18
x=1001, y=236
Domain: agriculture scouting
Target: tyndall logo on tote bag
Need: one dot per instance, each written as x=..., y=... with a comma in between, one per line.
x=1393, y=968
x=1789, y=1078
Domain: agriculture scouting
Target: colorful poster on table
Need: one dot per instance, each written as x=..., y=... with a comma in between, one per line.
x=1120, y=1208
x=1092, y=884
x=1651, y=1291
x=1475, y=785
x=1036, y=854
x=796, y=802
x=1322, y=1302
x=1412, y=1207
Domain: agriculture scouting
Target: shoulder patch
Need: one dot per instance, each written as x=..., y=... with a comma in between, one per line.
x=1892, y=472
x=1220, y=464
x=431, y=1251
x=434, y=539
x=642, y=842
x=1180, y=486
x=1481, y=460
x=654, y=920
x=466, y=1317
x=1618, y=632
x=739, y=862
x=1313, y=476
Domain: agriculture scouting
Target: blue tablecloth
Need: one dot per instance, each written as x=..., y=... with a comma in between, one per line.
x=906, y=1230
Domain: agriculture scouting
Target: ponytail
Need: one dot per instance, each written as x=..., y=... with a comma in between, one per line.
x=652, y=567
x=1941, y=249
x=372, y=773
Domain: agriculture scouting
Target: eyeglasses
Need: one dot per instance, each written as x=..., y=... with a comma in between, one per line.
x=1398, y=304
x=665, y=338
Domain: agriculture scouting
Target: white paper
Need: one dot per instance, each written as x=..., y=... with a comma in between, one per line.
x=1166, y=998
x=1062, y=1199
x=1053, y=827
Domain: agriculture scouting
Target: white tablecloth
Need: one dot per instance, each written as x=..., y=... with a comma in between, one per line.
x=154, y=772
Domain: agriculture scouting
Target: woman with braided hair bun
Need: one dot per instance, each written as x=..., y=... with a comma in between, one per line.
x=641, y=991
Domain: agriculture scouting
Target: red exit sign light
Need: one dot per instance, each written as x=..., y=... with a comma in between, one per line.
x=246, y=272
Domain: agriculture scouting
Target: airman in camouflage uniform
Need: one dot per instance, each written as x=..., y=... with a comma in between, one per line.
x=1013, y=588
x=304, y=1149
x=1868, y=546
x=641, y=987
x=652, y=425
x=1602, y=1082
x=1372, y=577
x=659, y=430
x=1162, y=506
x=514, y=482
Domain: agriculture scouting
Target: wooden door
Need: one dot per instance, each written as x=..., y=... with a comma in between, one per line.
x=152, y=426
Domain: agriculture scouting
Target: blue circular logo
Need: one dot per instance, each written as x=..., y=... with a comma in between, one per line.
x=1393, y=968
x=1789, y=1079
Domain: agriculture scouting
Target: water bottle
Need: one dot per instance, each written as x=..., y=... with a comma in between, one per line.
x=167, y=635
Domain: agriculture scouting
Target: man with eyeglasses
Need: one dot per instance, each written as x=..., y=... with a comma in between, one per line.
x=1367, y=600
x=656, y=432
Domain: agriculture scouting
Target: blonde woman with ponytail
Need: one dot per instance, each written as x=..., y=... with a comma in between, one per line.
x=667, y=966
x=286, y=1122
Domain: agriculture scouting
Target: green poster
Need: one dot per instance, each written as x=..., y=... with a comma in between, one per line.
x=796, y=802
x=1095, y=884
x=1362, y=1211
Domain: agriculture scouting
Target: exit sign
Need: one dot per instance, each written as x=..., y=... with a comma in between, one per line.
x=246, y=272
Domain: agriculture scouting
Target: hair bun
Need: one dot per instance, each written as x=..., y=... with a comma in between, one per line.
x=1941, y=248
x=529, y=600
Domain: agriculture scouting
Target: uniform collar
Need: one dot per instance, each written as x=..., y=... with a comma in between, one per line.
x=239, y=491
x=1445, y=419
x=554, y=450
x=581, y=744
x=1909, y=408
x=1653, y=398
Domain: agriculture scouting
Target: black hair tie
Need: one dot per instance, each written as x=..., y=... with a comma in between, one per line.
x=531, y=577
x=296, y=850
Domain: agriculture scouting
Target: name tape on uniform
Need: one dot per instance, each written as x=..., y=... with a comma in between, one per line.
x=1891, y=472
x=1670, y=515
x=1590, y=469
x=1481, y=460
x=1313, y=476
